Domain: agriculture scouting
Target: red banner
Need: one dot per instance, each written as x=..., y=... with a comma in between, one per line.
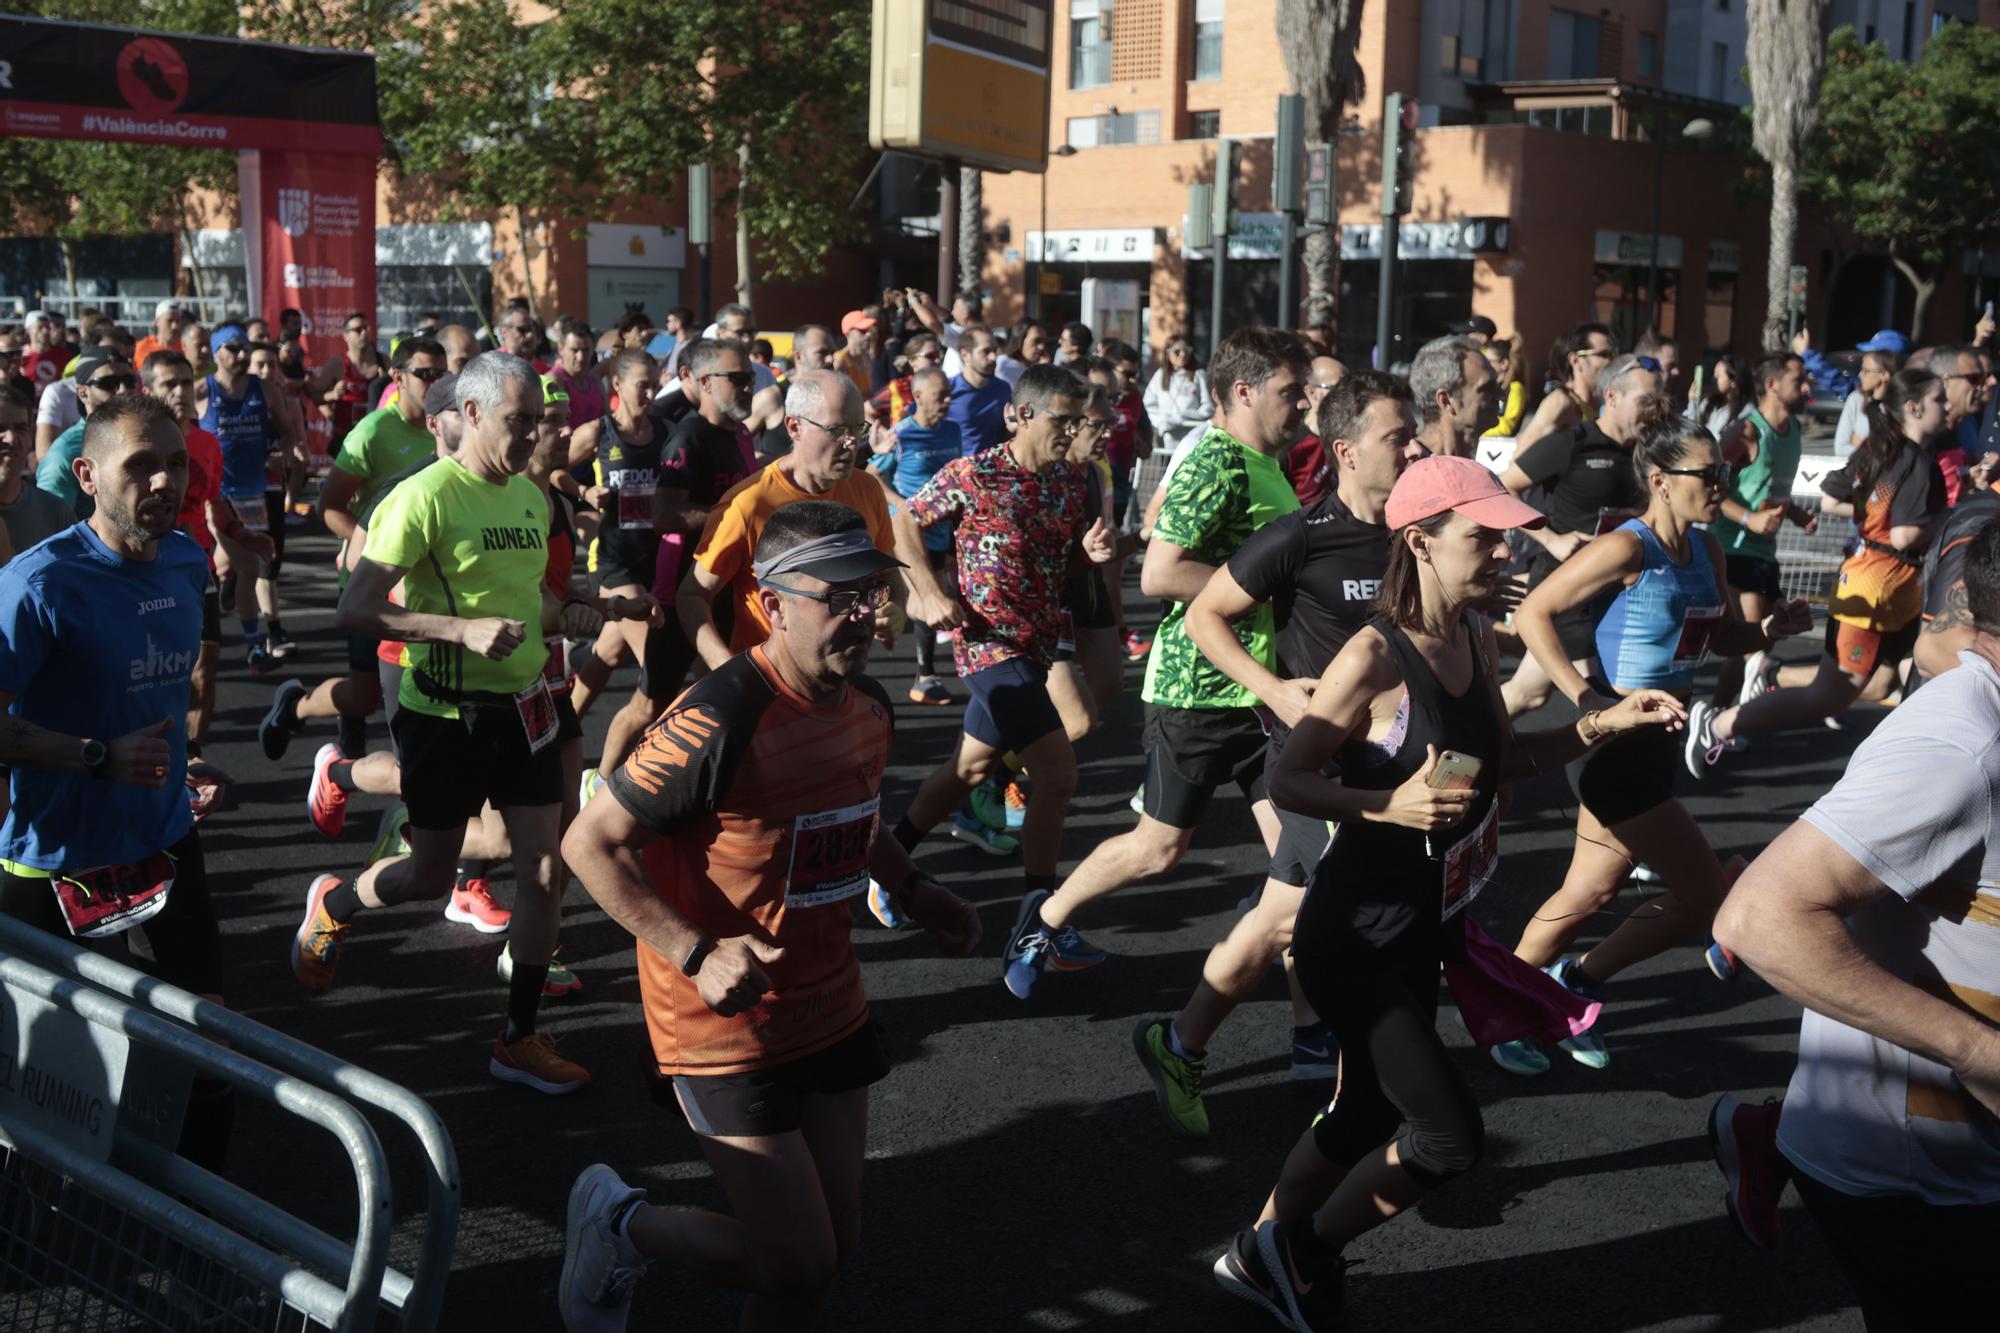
x=51, y=120
x=309, y=240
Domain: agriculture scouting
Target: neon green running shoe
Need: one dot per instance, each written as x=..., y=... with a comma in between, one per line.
x=391, y=835
x=1176, y=1079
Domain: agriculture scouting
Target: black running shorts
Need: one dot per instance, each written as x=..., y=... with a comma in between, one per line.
x=771, y=1101
x=1192, y=751
x=451, y=769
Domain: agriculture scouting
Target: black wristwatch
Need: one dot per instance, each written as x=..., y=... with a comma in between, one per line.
x=691, y=964
x=94, y=756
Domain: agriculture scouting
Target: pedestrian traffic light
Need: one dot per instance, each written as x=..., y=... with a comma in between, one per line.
x=1223, y=205
x=1399, y=143
x=1288, y=155
x=1200, y=216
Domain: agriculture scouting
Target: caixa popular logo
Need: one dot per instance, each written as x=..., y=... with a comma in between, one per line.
x=295, y=211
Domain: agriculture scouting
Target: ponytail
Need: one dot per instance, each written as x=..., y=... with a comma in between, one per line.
x=1877, y=455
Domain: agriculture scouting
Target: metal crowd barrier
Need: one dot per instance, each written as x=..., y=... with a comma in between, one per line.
x=103, y=1225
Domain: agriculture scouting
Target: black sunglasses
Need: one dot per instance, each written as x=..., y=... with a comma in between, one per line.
x=1715, y=474
x=742, y=379
x=113, y=383
x=428, y=374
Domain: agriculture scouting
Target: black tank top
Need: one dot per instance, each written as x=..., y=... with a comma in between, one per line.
x=1385, y=882
x=626, y=539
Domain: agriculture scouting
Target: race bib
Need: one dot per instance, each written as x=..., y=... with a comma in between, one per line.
x=635, y=499
x=538, y=715
x=1470, y=863
x=1698, y=626
x=555, y=671
x=251, y=513
x=110, y=899
x=830, y=853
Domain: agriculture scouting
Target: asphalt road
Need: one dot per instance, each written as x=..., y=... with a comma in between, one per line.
x=1019, y=1174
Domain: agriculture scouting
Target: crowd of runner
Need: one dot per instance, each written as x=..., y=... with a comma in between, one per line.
x=1341, y=580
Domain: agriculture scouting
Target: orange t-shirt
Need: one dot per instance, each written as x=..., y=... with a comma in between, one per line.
x=765, y=804
x=738, y=519
x=144, y=348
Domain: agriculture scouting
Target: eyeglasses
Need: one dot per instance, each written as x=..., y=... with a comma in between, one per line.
x=113, y=383
x=849, y=432
x=1715, y=474
x=1606, y=352
x=840, y=603
x=357, y=328
x=1064, y=424
x=428, y=374
x=742, y=379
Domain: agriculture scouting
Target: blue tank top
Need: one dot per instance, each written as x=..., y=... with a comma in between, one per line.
x=1656, y=632
x=243, y=425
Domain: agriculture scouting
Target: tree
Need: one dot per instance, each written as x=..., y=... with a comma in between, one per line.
x=971, y=220
x=1904, y=156
x=1319, y=38
x=1787, y=52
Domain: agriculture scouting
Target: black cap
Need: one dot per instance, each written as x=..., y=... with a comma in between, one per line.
x=1477, y=324
x=92, y=359
x=441, y=397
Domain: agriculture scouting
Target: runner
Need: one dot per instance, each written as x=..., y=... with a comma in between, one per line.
x=235, y=411
x=1306, y=463
x=1948, y=628
x=101, y=374
x=1892, y=489
x=47, y=355
x=1414, y=687
x=341, y=385
x=1590, y=488
x=1666, y=612
x=293, y=469
x=383, y=445
x=468, y=540
x=100, y=626
x=922, y=443
x=729, y=847
x=1762, y=448
x=28, y=512
x=1574, y=363
x=979, y=396
x=1320, y=570
x=1020, y=525
x=1875, y=911
x=1202, y=728
x=1087, y=674
x=1457, y=395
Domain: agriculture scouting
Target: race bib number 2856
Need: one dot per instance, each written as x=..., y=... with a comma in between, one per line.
x=830, y=853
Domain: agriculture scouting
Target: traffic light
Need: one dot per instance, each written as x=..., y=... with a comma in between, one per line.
x=1224, y=199
x=1288, y=155
x=1399, y=145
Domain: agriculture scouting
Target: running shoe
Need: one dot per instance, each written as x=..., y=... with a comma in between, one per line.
x=1702, y=747
x=273, y=733
x=988, y=804
x=1744, y=1139
x=262, y=660
x=1017, y=806
x=1176, y=1081
x=1315, y=1053
x=1586, y=1048
x=592, y=780
x=1520, y=1057
x=1136, y=647
x=392, y=835
x=1027, y=947
x=316, y=944
x=974, y=833
x=1071, y=952
x=1720, y=960
x=561, y=981
x=1312, y=1302
x=280, y=643
x=1240, y=1271
x=884, y=908
x=929, y=690
x=1759, y=672
x=472, y=904
x=600, y=1265
x=1137, y=805
x=326, y=803
x=533, y=1062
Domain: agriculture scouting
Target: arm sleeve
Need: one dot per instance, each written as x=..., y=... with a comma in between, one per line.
x=1270, y=559
x=1908, y=845
x=24, y=633
x=1548, y=457
x=942, y=497
x=676, y=772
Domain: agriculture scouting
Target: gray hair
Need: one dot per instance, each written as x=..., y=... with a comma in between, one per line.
x=1440, y=364
x=733, y=309
x=486, y=376
x=813, y=391
x=1943, y=361
x=1619, y=368
x=705, y=354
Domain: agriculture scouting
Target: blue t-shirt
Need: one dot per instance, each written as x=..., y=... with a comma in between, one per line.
x=920, y=452
x=55, y=475
x=96, y=646
x=979, y=413
x=243, y=425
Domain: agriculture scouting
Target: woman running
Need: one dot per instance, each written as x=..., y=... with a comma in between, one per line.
x=1409, y=698
x=1892, y=489
x=625, y=445
x=1655, y=583
x=1085, y=676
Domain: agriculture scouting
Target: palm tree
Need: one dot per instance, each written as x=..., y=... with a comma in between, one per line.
x=1787, y=52
x=971, y=217
x=1318, y=39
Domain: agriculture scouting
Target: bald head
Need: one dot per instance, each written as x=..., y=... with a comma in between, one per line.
x=1326, y=372
x=459, y=346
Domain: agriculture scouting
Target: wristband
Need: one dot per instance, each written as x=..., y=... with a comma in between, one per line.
x=696, y=956
x=1587, y=724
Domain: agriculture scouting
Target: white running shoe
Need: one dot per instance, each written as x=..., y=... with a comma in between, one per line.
x=1702, y=747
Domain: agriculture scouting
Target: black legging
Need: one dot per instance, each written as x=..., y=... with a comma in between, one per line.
x=1396, y=1082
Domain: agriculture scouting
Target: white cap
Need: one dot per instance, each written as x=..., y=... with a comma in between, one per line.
x=165, y=308
x=34, y=319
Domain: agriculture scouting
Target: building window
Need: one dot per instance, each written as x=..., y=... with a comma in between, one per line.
x=1207, y=39
x=1204, y=125
x=1718, y=71
x=1089, y=43
x=1573, y=41
x=1592, y=120
x=1649, y=55
x=1132, y=127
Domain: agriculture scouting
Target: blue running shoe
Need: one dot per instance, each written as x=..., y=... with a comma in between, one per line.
x=1586, y=1048
x=973, y=832
x=1315, y=1053
x=1520, y=1057
x=1071, y=952
x=1028, y=947
x=885, y=909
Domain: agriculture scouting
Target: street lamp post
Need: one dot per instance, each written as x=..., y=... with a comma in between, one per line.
x=1031, y=300
x=1697, y=130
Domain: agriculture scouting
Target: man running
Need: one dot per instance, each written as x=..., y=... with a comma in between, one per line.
x=1021, y=523
x=468, y=539
x=234, y=410
x=729, y=847
x=1457, y=395
x=979, y=396
x=1575, y=360
x=28, y=512
x=1202, y=728
x=1320, y=570
x=101, y=374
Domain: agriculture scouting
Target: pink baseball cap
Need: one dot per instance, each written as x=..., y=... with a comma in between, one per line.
x=1432, y=485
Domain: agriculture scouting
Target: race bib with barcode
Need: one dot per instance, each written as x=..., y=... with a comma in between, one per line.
x=830, y=852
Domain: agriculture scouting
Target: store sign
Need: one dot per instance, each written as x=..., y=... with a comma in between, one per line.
x=1108, y=245
x=615, y=245
x=1631, y=247
x=962, y=79
x=1467, y=238
x=1724, y=257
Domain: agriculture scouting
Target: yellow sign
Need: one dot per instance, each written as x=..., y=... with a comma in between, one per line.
x=962, y=79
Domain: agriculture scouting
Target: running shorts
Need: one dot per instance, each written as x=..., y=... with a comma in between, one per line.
x=1192, y=751
x=211, y=612
x=606, y=577
x=1087, y=601
x=452, y=767
x=1628, y=775
x=765, y=1102
x=1302, y=841
x=1749, y=573
x=569, y=727
x=1859, y=651
x=1010, y=708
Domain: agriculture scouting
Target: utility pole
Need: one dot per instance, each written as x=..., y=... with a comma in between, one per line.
x=1225, y=189
x=1287, y=196
x=1399, y=123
